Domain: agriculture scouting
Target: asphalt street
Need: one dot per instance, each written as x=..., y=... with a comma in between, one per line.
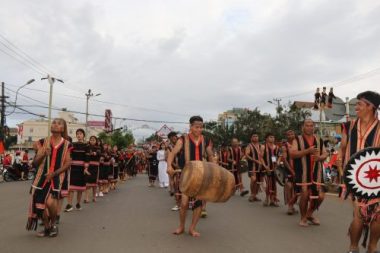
x=136, y=218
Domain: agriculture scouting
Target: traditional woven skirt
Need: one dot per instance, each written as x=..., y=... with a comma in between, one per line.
x=77, y=179
x=110, y=173
x=153, y=171
x=65, y=186
x=103, y=173
x=131, y=168
x=92, y=180
x=115, y=172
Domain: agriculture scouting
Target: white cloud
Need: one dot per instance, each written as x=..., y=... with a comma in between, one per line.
x=191, y=57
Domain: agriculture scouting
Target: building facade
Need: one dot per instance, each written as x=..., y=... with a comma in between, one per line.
x=228, y=118
x=33, y=130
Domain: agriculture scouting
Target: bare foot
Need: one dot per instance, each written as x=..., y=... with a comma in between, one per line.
x=303, y=223
x=194, y=233
x=179, y=231
x=314, y=221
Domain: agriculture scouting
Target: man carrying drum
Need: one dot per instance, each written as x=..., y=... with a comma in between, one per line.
x=364, y=132
x=193, y=147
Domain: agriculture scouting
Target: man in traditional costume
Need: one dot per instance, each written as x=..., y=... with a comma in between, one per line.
x=290, y=194
x=270, y=161
x=235, y=155
x=194, y=147
x=255, y=173
x=364, y=132
x=52, y=161
x=308, y=154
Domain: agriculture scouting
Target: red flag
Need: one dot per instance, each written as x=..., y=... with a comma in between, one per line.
x=2, y=149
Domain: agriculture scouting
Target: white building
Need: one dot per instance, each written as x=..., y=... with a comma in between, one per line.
x=35, y=129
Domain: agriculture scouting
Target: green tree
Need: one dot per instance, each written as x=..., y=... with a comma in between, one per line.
x=118, y=138
x=249, y=121
x=104, y=137
x=153, y=137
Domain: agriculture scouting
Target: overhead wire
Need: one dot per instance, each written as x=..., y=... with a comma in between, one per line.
x=21, y=53
x=105, y=102
x=22, y=62
x=102, y=116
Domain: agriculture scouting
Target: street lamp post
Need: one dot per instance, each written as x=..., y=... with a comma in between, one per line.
x=88, y=95
x=51, y=81
x=17, y=91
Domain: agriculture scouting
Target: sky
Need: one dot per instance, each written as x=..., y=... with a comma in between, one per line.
x=165, y=60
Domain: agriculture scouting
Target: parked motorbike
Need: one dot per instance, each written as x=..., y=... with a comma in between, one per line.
x=10, y=173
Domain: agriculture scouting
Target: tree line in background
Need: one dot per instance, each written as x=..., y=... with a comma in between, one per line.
x=249, y=121
x=119, y=138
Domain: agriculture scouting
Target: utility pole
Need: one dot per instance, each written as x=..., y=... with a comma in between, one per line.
x=3, y=99
x=88, y=95
x=51, y=81
x=276, y=102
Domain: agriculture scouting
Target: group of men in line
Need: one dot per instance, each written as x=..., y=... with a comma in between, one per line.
x=301, y=155
x=262, y=160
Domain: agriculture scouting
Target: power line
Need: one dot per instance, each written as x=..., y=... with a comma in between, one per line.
x=102, y=116
x=27, y=97
x=32, y=113
x=352, y=79
x=27, y=56
x=140, y=108
x=106, y=102
x=21, y=56
x=17, y=59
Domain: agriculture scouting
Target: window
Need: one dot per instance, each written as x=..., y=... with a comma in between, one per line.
x=31, y=130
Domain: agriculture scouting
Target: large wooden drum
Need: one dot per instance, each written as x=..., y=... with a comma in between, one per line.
x=207, y=181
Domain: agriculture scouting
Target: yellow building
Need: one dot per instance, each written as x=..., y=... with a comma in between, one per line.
x=35, y=129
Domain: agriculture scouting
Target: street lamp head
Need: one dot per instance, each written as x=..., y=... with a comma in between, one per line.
x=98, y=94
x=270, y=102
x=30, y=81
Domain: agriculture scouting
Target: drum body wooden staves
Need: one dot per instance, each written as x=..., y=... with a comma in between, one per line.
x=207, y=181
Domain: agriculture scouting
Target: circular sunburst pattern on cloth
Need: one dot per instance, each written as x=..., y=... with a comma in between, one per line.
x=362, y=173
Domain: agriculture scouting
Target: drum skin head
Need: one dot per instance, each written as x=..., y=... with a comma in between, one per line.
x=362, y=174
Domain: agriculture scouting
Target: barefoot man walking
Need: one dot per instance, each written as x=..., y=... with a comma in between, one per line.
x=197, y=146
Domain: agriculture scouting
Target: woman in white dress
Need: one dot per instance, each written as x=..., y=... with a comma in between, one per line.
x=162, y=167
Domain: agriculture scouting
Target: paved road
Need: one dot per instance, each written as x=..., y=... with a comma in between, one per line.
x=136, y=218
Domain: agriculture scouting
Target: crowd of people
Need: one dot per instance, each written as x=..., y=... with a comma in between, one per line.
x=66, y=168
